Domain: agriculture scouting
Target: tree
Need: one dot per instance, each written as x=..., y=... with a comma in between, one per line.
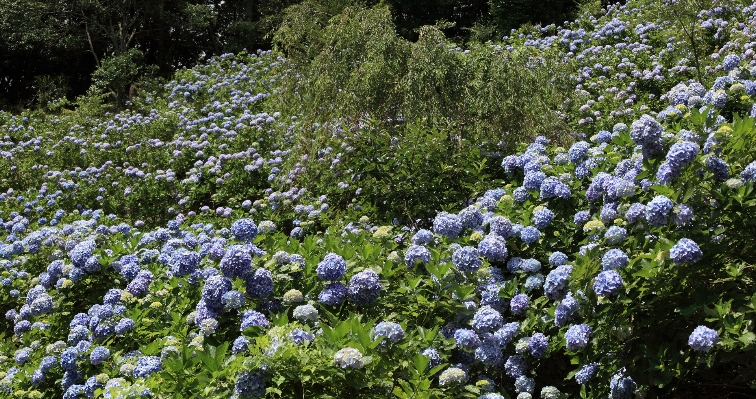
x=510, y=14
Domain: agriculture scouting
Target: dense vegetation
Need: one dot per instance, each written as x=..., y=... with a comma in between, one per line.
x=566, y=212
x=63, y=48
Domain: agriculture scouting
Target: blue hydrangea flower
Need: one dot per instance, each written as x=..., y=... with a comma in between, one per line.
x=609, y=212
x=490, y=296
x=493, y=247
x=565, y=310
x=233, y=299
x=533, y=180
x=466, y=259
x=139, y=286
x=447, y=225
x=538, y=344
x=253, y=318
x=41, y=305
x=333, y=294
x=489, y=352
x=112, y=297
x=524, y=384
x=749, y=173
x=390, y=330
x=542, y=218
x=534, y=282
x=635, y=213
x=416, y=253
x=422, y=237
x=259, y=284
x=68, y=358
x=577, y=336
x=82, y=252
x=99, y=355
x=69, y=379
x=204, y=312
x=73, y=391
x=551, y=187
x=657, y=210
x=555, y=286
x=557, y=258
x=236, y=262
x=249, y=385
x=471, y=217
x=299, y=336
x=183, y=262
x=244, y=230
x=520, y=195
x=578, y=151
x=332, y=267
x=718, y=167
x=530, y=265
x=530, y=234
x=620, y=188
x=38, y=376
x=364, y=288
x=685, y=251
x=47, y=363
x=682, y=215
x=90, y=386
x=124, y=325
x=621, y=387
x=519, y=304
x=466, y=339
x=703, y=338
x=22, y=356
x=608, y=283
x=667, y=173
x=615, y=235
x=581, y=217
x=646, y=130
x=614, y=259
x=515, y=366
x=501, y=226
x=212, y=293
x=682, y=153
x=434, y=358
x=586, y=373
x=730, y=62
x=487, y=319
x=240, y=345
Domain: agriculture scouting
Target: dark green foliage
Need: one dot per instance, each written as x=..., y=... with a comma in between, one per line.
x=510, y=14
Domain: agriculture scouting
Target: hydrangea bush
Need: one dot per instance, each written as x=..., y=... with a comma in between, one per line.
x=620, y=265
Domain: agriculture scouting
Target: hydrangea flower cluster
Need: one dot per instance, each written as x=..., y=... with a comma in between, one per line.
x=466, y=259
x=348, y=358
x=703, y=338
x=391, y=331
x=332, y=267
x=364, y=287
x=577, y=336
x=453, y=376
x=416, y=254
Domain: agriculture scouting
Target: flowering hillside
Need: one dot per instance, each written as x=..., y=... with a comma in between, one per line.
x=213, y=240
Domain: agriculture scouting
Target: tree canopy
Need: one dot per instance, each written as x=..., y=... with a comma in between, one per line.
x=52, y=48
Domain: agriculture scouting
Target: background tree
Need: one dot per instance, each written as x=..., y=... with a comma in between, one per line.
x=510, y=14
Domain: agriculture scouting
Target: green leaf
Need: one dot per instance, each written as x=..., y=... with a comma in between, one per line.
x=747, y=338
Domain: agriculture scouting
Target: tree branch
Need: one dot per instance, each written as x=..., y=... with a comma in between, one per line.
x=91, y=46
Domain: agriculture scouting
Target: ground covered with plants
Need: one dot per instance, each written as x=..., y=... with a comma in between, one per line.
x=568, y=212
